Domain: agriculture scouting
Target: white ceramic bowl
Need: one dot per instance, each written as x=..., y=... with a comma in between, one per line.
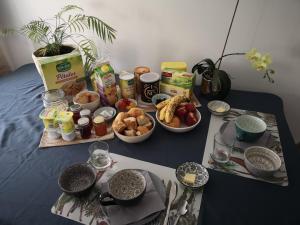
x=215, y=106
x=137, y=139
x=261, y=161
x=181, y=129
x=91, y=105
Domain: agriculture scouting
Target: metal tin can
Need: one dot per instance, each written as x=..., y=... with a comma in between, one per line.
x=127, y=85
x=149, y=86
x=138, y=71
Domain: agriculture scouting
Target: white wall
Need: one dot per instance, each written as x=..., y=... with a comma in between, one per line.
x=153, y=31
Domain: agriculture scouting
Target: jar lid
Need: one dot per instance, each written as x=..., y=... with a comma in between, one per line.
x=126, y=76
x=149, y=77
x=98, y=119
x=83, y=121
x=141, y=70
x=75, y=108
x=85, y=112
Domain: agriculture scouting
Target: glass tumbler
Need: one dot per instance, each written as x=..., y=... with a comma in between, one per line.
x=99, y=155
x=222, y=149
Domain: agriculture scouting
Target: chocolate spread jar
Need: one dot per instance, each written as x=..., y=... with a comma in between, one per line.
x=149, y=86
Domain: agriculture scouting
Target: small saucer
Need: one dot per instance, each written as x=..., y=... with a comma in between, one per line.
x=192, y=174
x=218, y=108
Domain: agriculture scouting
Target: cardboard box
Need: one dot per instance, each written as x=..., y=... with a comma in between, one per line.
x=174, y=90
x=62, y=71
x=180, y=79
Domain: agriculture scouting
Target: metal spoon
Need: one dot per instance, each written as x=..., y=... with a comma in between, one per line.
x=181, y=211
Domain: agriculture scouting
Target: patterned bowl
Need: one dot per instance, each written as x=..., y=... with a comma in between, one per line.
x=218, y=108
x=192, y=174
x=261, y=161
x=249, y=128
x=77, y=179
x=125, y=187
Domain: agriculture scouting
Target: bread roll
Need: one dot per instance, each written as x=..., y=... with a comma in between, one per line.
x=141, y=130
x=135, y=112
x=130, y=123
x=119, y=126
x=142, y=120
x=129, y=132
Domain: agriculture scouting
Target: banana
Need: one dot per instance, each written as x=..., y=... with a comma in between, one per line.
x=162, y=104
x=174, y=102
x=162, y=113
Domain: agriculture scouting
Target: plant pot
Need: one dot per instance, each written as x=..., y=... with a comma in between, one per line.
x=217, y=86
x=62, y=71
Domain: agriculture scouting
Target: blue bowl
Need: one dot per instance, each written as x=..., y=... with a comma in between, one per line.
x=159, y=97
x=249, y=128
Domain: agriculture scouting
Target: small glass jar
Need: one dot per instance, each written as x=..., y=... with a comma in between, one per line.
x=75, y=109
x=84, y=128
x=100, y=126
x=87, y=113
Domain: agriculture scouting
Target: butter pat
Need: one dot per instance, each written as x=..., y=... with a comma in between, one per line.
x=174, y=90
x=189, y=178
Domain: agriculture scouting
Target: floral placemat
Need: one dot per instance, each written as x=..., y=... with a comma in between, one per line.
x=46, y=142
x=236, y=164
x=149, y=107
x=86, y=210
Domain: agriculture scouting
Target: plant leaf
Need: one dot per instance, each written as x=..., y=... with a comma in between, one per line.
x=66, y=9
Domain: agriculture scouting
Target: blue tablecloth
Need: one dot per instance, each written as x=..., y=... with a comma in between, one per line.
x=28, y=175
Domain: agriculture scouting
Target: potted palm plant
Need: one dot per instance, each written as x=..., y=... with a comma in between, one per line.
x=58, y=61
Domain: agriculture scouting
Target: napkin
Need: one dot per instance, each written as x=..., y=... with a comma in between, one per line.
x=149, y=204
x=228, y=134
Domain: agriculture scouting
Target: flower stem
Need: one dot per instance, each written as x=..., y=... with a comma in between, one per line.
x=232, y=19
x=235, y=53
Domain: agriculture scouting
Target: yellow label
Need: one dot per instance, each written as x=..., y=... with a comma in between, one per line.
x=66, y=122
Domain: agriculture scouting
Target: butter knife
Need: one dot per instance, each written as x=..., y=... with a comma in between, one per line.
x=172, y=196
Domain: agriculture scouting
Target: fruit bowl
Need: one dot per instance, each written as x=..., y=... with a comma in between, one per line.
x=183, y=128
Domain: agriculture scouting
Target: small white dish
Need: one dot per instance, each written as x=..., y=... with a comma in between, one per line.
x=107, y=112
x=218, y=108
x=181, y=129
x=137, y=139
x=261, y=161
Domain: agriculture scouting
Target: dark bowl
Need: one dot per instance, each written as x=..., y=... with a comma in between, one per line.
x=77, y=179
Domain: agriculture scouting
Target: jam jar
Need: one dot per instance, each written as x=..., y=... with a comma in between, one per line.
x=100, y=126
x=84, y=128
x=75, y=109
x=87, y=113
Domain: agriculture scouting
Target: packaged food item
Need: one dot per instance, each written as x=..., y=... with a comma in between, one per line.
x=67, y=126
x=48, y=116
x=106, y=83
x=175, y=90
x=62, y=71
x=84, y=127
x=127, y=85
x=179, y=66
x=149, y=86
x=138, y=71
x=100, y=126
x=180, y=79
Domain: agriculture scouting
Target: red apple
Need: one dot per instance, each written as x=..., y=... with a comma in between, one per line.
x=181, y=113
x=190, y=107
x=191, y=119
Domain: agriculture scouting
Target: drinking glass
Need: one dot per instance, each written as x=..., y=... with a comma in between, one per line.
x=222, y=149
x=99, y=155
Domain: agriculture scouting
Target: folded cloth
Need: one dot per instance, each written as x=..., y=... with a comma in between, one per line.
x=149, y=204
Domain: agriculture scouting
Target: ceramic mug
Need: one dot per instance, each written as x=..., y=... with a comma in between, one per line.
x=126, y=187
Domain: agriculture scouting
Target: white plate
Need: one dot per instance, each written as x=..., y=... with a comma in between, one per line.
x=214, y=105
x=181, y=129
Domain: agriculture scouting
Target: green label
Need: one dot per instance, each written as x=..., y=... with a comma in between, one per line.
x=64, y=66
